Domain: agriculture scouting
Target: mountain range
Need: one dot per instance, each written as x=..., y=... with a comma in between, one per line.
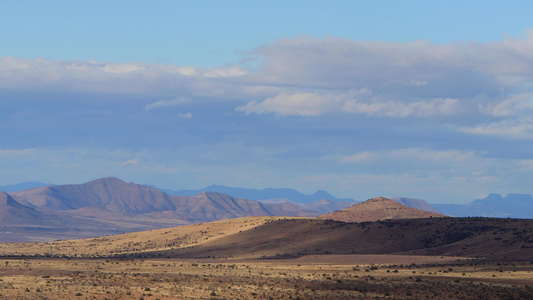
x=494, y=205
x=263, y=194
x=22, y=186
x=110, y=206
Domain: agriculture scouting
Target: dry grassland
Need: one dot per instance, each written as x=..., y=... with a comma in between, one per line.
x=137, y=242
x=318, y=277
x=128, y=266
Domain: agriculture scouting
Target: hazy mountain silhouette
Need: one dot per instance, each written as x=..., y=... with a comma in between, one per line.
x=110, y=193
x=415, y=203
x=22, y=186
x=494, y=205
x=263, y=194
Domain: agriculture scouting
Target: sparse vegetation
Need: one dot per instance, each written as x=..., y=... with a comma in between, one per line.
x=181, y=263
x=309, y=278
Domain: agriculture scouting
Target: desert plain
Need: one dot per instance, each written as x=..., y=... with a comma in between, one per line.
x=260, y=258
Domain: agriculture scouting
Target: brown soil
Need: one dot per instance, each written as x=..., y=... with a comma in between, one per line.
x=328, y=277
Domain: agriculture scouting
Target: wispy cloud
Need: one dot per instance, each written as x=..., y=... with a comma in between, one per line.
x=410, y=154
x=359, y=157
x=166, y=103
x=187, y=115
x=360, y=102
x=521, y=128
x=131, y=163
x=17, y=151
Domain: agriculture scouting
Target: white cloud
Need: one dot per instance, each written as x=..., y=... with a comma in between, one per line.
x=526, y=165
x=123, y=68
x=441, y=156
x=95, y=76
x=359, y=157
x=422, y=109
x=514, y=105
x=521, y=128
x=166, y=103
x=233, y=71
x=187, y=115
x=407, y=79
x=409, y=155
x=359, y=102
x=303, y=104
x=337, y=62
x=131, y=163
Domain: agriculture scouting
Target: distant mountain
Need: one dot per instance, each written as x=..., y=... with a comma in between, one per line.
x=22, y=186
x=115, y=195
x=494, y=205
x=415, y=203
x=263, y=194
x=110, y=193
x=325, y=206
x=210, y=206
x=379, y=208
x=107, y=205
x=20, y=223
x=14, y=213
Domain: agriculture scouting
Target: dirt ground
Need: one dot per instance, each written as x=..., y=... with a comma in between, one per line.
x=312, y=277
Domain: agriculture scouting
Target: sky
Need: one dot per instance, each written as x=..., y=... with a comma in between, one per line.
x=422, y=99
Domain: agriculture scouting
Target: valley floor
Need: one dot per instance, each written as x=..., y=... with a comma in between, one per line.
x=309, y=277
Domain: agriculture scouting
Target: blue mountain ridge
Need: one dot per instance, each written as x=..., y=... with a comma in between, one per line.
x=23, y=186
x=263, y=194
x=494, y=205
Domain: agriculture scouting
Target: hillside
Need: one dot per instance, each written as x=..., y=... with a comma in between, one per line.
x=13, y=213
x=375, y=209
x=276, y=237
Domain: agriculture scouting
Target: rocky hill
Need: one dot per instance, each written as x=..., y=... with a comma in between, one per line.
x=375, y=209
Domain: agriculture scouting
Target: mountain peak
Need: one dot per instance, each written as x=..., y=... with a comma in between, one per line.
x=379, y=208
x=107, y=180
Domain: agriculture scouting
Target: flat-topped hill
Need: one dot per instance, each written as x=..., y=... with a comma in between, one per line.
x=379, y=208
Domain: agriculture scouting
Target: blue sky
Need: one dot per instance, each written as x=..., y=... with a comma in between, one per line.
x=420, y=99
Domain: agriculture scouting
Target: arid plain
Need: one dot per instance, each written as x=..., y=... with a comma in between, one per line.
x=282, y=258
